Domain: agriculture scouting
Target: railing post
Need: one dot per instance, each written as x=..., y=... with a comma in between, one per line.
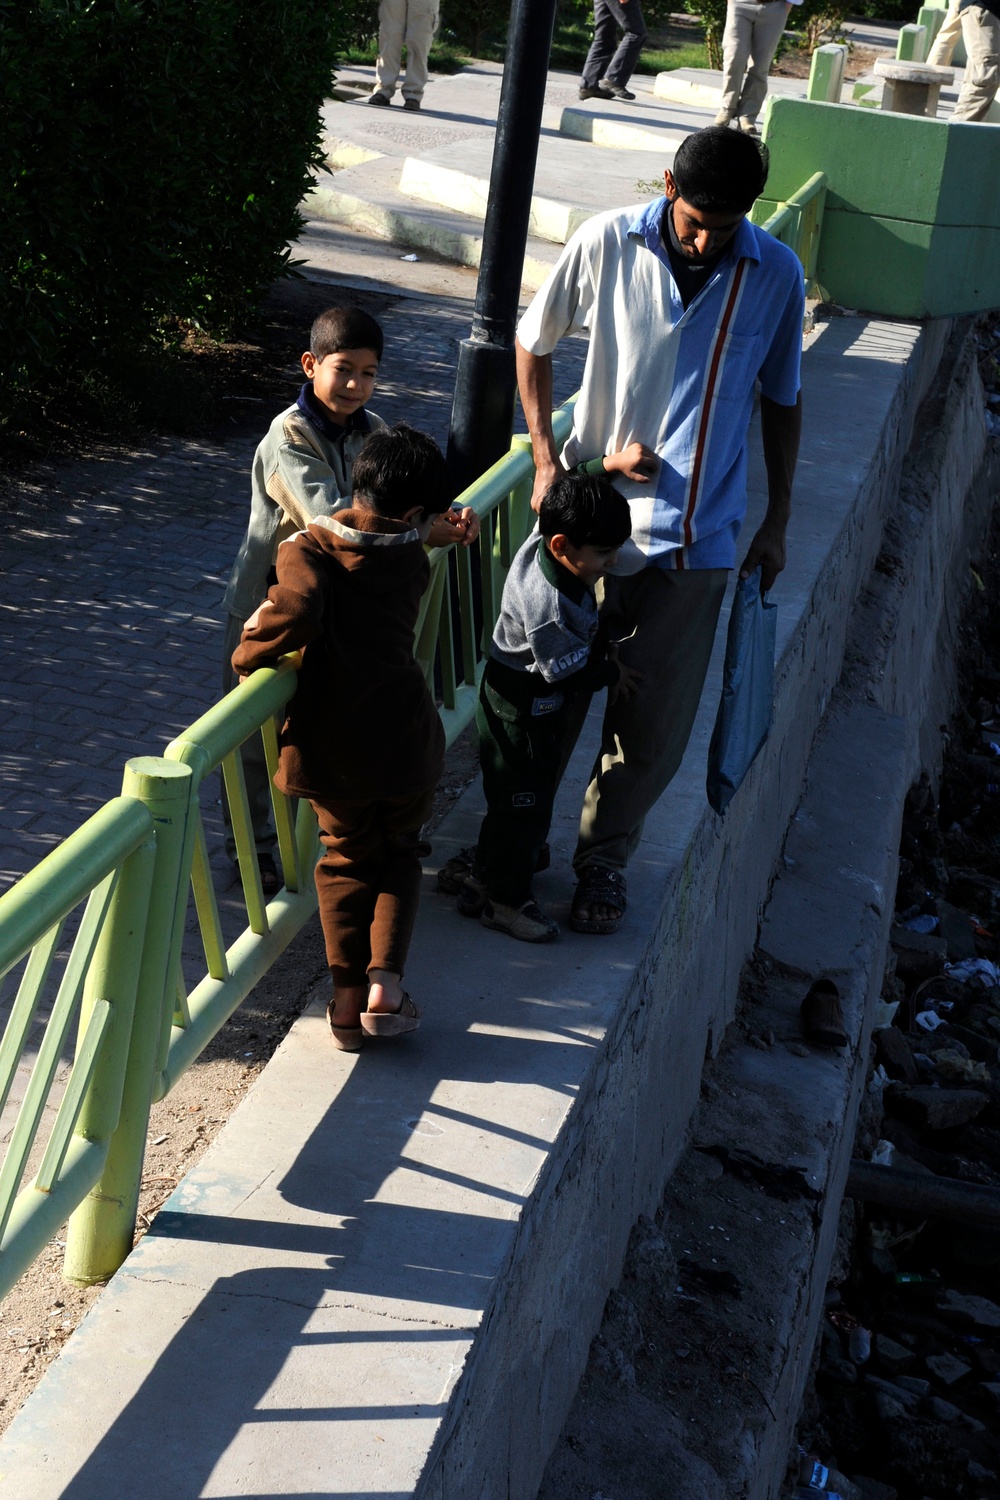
x=102, y=1228
x=911, y=45
x=826, y=74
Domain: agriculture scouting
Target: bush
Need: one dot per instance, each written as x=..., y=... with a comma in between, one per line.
x=153, y=154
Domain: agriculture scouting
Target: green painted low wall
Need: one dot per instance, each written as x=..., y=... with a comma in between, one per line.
x=912, y=222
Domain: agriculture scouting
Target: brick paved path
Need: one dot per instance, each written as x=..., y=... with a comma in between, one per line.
x=110, y=594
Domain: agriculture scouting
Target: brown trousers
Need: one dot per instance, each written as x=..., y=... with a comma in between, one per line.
x=665, y=622
x=368, y=882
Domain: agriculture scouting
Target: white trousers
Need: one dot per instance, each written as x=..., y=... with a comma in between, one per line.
x=944, y=43
x=409, y=23
x=981, y=34
x=751, y=36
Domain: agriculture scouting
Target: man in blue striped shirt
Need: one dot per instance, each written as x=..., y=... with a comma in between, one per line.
x=686, y=305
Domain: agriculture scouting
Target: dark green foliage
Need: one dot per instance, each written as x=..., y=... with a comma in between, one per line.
x=152, y=157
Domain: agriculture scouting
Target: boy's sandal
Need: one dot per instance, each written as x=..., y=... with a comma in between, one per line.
x=392, y=1022
x=270, y=880
x=455, y=871
x=345, y=1038
x=598, y=886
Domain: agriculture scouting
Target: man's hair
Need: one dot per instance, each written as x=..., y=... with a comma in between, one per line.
x=720, y=171
x=398, y=469
x=344, y=328
x=587, y=510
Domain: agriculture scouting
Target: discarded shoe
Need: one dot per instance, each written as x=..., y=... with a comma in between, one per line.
x=822, y=1016
x=528, y=923
x=345, y=1038
x=385, y=1023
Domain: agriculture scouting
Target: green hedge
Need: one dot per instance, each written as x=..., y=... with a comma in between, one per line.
x=152, y=157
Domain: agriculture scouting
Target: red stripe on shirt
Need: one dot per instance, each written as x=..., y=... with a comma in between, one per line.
x=706, y=409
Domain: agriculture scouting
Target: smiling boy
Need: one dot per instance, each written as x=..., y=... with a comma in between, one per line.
x=301, y=471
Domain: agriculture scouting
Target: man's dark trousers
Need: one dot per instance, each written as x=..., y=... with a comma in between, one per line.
x=603, y=60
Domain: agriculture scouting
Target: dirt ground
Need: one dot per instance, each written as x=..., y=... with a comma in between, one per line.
x=795, y=64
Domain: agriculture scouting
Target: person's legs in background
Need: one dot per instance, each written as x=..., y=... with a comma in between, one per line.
x=421, y=24
x=981, y=34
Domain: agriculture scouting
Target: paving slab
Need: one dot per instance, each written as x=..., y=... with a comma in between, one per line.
x=701, y=88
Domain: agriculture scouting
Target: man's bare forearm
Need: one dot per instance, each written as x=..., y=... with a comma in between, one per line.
x=534, y=384
x=780, y=430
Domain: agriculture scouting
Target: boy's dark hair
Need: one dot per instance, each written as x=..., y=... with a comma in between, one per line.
x=344, y=328
x=587, y=510
x=720, y=171
x=398, y=469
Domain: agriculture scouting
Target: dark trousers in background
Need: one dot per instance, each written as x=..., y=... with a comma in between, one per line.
x=609, y=58
x=368, y=882
x=527, y=732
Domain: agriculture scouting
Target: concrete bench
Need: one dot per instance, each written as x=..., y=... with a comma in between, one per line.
x=911, y=88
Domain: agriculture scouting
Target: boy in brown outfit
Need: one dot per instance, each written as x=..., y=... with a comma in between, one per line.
x=363, y=740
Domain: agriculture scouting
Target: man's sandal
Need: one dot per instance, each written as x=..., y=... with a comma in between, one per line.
x=456, y=871
x=345, y=1038
x=392, y=1022
x=598, y=886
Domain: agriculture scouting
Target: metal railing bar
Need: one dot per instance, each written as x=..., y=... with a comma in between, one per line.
x=22, y=1013
x=206, y=904
x=40, y=1083
x=35, y=1216
x=246, y=852
x=213, y=1001
x=282, y=810
x=467, y=614
x=84, y=1064
x=64, y=878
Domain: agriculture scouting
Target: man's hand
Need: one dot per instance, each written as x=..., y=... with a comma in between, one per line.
x=634, y=462
x=628, y=679
x=768, y=550
x=545, y=475
x=455, y=526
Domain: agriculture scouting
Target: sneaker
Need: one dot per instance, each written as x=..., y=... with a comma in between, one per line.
x=411, y=104
x=748, y=126
x=471, y=897
x=617, y=91
x=379, y=100
x=595, y=93
x=527, y=923
x=723, y=118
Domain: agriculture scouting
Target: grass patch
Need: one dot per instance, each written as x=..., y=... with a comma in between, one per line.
x=570, y=45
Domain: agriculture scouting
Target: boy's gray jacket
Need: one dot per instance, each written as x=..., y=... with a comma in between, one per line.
x=299, y=474
x=547, y=621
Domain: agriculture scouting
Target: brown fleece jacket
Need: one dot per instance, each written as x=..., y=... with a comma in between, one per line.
x=362, y=725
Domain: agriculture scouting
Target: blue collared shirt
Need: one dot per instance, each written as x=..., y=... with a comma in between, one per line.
x=679, y=380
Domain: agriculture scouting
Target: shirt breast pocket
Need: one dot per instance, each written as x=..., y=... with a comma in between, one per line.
x=742, y=354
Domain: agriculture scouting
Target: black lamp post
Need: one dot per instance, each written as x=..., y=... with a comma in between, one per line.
x=482, y=413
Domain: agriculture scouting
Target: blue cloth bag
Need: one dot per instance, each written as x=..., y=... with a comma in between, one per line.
x=747, y=707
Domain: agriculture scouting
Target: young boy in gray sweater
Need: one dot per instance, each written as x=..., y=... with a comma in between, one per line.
x=545, y=661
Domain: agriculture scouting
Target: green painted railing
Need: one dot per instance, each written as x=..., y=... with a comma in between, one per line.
x=137, y=864
x=798, y=223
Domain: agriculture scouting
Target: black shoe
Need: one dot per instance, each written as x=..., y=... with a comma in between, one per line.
x=616, y=91
x=379, y=100
x=596, y=93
